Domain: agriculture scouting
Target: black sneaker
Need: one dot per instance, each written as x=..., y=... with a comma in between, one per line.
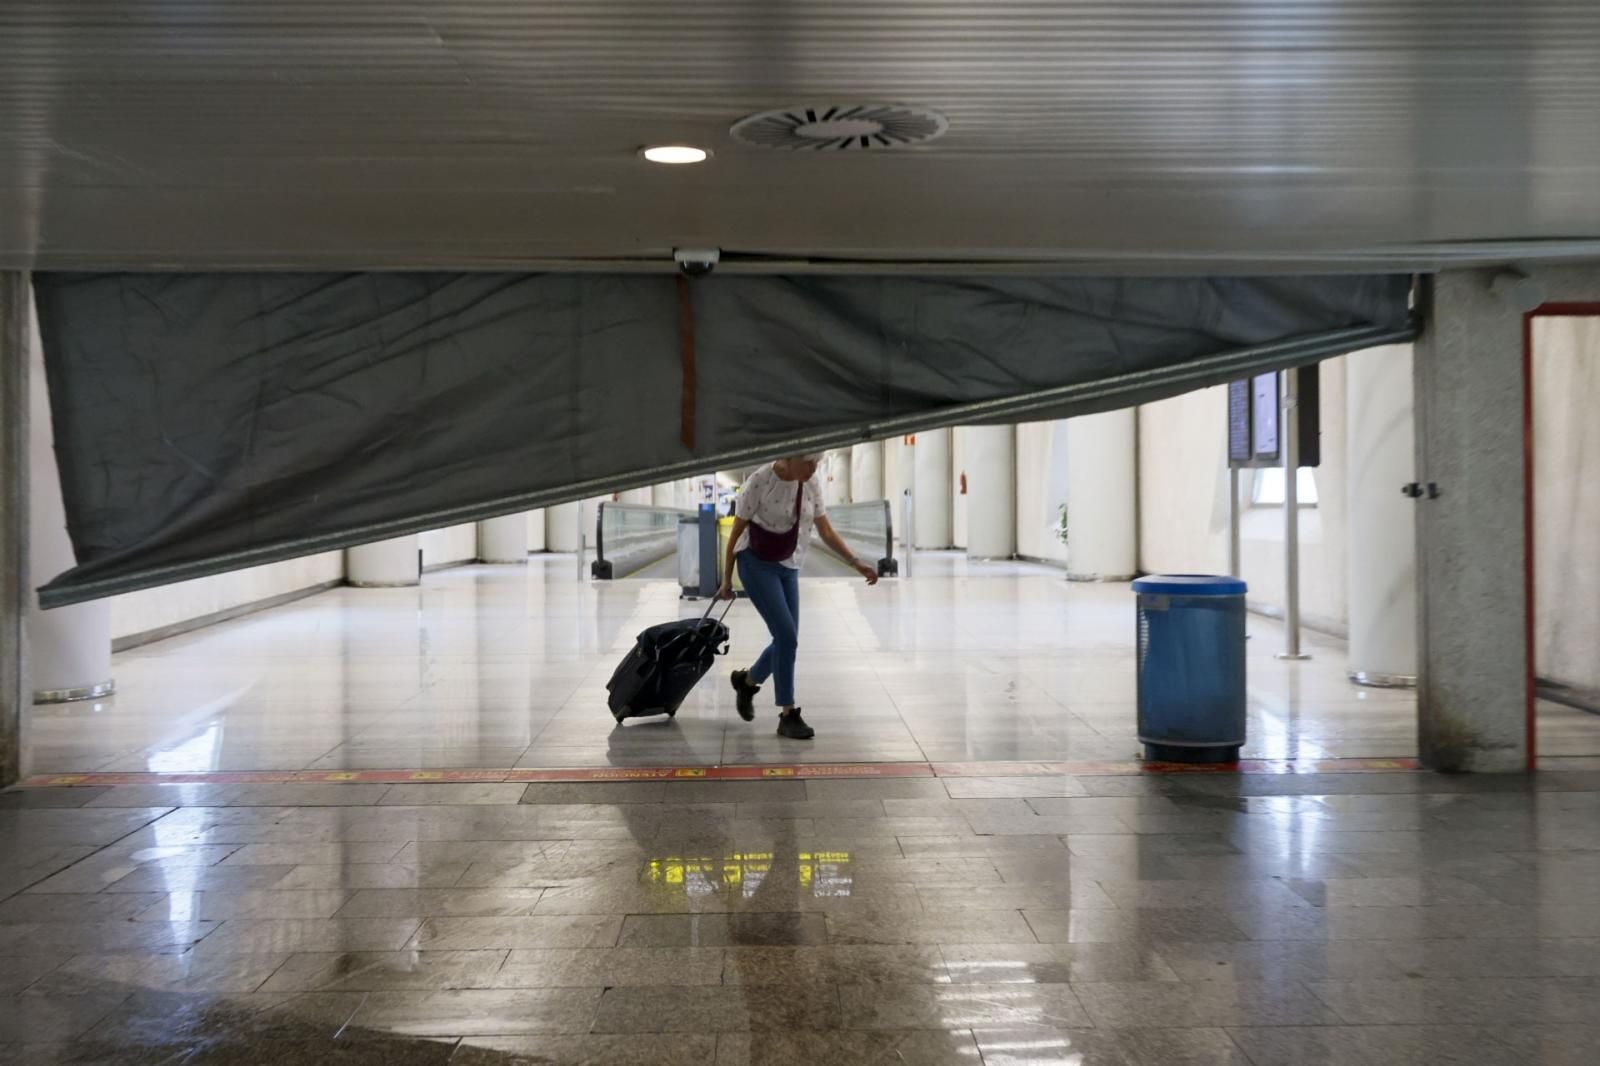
x=744, y=696
x=794, y=727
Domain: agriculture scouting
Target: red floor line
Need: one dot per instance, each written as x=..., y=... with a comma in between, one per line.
x=1129, y=769
x=799, y=771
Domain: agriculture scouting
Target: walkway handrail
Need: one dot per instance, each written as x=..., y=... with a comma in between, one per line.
x=641, y=535
x=868, y=527
x=653, y=537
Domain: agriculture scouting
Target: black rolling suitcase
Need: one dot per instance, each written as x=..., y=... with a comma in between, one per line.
x=665, y=664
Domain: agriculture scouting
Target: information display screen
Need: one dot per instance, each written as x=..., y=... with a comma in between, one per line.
x=1238, y=422
x=1255, y=410
x=1264, y=416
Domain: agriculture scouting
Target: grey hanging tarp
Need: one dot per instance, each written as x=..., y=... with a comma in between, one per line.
x=206, y=422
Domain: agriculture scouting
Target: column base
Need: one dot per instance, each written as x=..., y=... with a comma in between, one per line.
x=383, y=584
x=74, y=695
x=1372, y=679
x=1105, y=579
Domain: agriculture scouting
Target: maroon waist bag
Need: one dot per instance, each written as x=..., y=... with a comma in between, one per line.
x=773, y=547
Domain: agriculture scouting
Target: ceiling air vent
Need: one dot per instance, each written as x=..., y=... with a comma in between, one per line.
x=850, y=128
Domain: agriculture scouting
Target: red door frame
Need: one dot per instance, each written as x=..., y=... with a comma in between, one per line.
x=1549, y=310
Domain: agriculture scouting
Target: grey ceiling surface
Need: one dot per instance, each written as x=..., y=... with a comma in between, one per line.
x=1154, y=135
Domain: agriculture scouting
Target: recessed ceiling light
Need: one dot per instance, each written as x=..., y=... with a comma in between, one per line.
x=675, y=154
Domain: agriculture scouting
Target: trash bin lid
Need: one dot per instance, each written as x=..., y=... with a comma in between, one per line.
x=1190, y=585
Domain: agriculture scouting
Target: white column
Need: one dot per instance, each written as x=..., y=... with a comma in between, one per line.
x=693, y=491
x=662, y=495
x=384, y=564
x=835, y=475
x=561, y=532
x=958, y=487
x=1102, y=487
x=991, y=492
x=896, y=482
x=1380, y=522
x=636, y=497
x=1041, y=489
x=930, y=485
x=69, y=648
x=504, y=539
x=866, y=472
x=536, y=530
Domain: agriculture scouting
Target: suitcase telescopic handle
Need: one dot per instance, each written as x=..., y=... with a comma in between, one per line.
x=713, y=606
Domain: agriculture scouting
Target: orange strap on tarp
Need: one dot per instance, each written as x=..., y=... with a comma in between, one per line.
x=686, y=353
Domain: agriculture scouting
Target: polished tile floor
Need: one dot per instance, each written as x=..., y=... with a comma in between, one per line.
x=506, y=666
x=1357, y=919
x=1118, y=919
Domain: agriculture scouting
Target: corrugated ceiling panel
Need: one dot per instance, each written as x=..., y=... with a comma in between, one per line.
x=488, y=131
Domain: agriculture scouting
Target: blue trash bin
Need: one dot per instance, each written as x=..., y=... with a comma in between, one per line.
x=1191, y=668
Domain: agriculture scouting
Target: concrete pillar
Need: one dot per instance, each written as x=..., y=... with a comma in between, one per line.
x=536, y=531
x=1472, y=612
x=69, y=648
x=385, y=564
x=16, y=693
x=930, y=486
x=1474, y=677
x=991, y=492
x=637, y=497
x=1380, y=523
x=1102, y=476
x=663, y=495
x=561, y=532
x=866, y=472
x=504, y=539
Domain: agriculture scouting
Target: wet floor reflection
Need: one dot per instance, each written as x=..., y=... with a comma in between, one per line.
x=818, y=874
x=501, y=667
x=1121, y=920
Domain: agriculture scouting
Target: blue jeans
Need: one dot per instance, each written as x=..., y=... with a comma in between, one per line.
x=775, y=591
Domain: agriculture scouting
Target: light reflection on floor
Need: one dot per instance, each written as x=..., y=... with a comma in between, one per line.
x=821, y=874
x=502, y=667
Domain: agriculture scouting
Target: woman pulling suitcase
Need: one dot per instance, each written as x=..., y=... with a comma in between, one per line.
x=778, y=507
